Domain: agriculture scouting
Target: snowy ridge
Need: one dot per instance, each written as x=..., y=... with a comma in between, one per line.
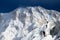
x=30, y=23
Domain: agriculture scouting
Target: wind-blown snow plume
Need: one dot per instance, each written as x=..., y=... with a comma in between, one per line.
x=30, y=23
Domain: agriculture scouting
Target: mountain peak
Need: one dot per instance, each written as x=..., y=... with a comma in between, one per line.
x=30, y=23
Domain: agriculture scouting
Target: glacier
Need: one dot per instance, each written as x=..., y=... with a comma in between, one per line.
x=30, y=23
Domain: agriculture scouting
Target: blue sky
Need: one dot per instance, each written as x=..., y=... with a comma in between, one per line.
x=9, y=5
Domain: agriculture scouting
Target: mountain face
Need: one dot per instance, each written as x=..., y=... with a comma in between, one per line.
x=30, y=23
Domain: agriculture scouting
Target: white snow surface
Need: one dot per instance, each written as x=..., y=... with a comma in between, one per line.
x=30, y=23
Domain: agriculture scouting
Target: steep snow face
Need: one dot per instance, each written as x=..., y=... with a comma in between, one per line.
x=30, y=23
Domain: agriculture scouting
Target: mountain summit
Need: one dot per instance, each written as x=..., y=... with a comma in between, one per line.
x=30, y=23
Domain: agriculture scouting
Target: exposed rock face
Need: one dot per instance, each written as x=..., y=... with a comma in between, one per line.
x=30, y=23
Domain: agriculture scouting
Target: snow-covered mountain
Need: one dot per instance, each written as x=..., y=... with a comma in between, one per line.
x=30, y=23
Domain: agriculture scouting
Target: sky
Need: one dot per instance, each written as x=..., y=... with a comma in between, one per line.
x=10, y=5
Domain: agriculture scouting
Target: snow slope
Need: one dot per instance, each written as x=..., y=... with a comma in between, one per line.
x=30, y=23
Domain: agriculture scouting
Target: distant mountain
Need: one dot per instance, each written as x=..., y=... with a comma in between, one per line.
x=30, y=23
